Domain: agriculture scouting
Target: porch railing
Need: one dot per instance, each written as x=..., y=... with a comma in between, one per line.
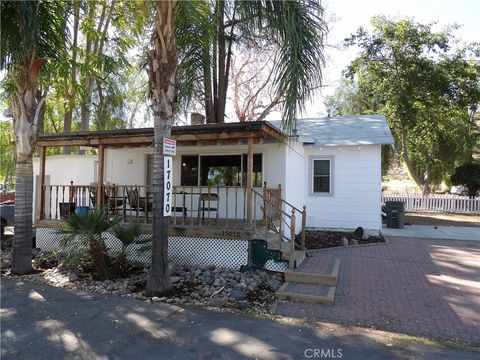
x=279, y=217
x=191, y=205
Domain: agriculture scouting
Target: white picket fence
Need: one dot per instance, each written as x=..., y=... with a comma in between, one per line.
x=436, y=202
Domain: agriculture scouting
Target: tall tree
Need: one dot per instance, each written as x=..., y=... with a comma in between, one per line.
x=297, y=27
x=427, y=91
x=32, y=33
x=162, y=74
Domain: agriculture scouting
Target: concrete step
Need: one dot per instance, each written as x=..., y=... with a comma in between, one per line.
x=327, y=277
x=311, y=293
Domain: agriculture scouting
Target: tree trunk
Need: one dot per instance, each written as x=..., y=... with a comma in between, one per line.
x=222, y=81
x=22, y=244
x=207, y=82
x=71, y=89
x=408, y=162
x=162, y=74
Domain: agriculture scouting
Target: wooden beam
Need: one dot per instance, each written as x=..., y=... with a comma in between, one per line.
x=95, y=142
x=249, y=179
x=41, y=183
x=101, y=177
x=220, y=136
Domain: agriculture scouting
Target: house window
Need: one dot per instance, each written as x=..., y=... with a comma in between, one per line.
x=189, y=171
x=322, y=176
x=220, y=170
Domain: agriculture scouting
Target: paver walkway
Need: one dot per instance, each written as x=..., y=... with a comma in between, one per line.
x=417, y=286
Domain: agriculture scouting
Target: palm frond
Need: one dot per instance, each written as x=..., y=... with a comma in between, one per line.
x=32, y=27
x=194, y=30
x=87, y=227
x=127, y=234
x=299, y=28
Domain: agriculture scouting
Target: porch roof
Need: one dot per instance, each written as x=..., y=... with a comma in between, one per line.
x=183, y=134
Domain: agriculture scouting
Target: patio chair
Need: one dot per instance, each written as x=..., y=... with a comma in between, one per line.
x=137, y=202
x=207, y=203
x=134, y=199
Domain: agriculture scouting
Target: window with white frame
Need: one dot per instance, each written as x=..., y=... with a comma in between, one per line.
x=322, y=176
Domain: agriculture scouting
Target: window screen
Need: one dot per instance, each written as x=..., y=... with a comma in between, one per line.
x=321, y=176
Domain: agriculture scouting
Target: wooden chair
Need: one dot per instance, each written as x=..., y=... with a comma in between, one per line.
x=136, y=202
x=134, y=199
x=205, y=205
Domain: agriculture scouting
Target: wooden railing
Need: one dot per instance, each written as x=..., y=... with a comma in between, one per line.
x=279, y=216
x=191, y=205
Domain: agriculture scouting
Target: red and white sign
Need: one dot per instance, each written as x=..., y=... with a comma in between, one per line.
x=169, y=147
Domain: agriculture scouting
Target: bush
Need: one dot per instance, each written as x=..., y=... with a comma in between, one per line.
x=87, y=229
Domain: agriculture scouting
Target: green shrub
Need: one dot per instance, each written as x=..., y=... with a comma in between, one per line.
x=85, y=230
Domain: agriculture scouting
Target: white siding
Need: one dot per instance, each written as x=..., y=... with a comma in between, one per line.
x=126, y=166
x=294, y=180
x=356, y=186
x=61, y=169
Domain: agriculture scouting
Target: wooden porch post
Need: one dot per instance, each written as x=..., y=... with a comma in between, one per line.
x=101, y=167
x=41, y=209
x=249, y=179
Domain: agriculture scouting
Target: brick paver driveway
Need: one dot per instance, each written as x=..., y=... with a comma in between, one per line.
x=415, y=286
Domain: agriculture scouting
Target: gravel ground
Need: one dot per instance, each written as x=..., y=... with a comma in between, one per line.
x=209, y=286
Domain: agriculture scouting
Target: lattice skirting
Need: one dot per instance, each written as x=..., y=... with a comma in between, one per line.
x=225, y=253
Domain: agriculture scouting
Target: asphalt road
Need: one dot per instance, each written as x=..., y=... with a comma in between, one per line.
x=41, y=322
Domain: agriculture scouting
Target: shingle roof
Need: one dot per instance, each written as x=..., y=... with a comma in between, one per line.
x=343, y=130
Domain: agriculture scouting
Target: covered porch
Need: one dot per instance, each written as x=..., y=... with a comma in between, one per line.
x=241, y=212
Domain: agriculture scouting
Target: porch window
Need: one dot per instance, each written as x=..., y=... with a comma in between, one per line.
x=322, y=176
x=220, y=170
x=189, y=171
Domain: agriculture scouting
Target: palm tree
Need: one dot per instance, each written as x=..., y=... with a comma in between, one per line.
x=162, y=74
x=87, y=229
x=32, y=32
x=296, y=25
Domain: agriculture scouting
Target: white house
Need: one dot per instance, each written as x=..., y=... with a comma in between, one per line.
x=330, y=166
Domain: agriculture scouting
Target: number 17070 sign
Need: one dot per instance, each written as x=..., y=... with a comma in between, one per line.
x=167, y=185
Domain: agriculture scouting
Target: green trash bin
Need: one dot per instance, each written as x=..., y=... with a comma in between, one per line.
x=395, y=214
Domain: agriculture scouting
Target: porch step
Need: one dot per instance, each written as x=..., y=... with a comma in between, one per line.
x=311, y=293
x=329, y=277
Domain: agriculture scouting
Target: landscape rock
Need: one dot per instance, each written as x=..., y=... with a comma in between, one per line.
x=358, y=233
x=344, y=241
x=353, y=242
x=238, y=294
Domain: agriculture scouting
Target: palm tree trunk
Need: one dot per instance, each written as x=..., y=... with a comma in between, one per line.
x=158, y=281
x=162, y=73
x=22, y=244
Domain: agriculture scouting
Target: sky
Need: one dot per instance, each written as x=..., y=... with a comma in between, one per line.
x=346, y=16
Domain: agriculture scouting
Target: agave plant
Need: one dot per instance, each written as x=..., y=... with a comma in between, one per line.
x=127, y=235
x=88, y=228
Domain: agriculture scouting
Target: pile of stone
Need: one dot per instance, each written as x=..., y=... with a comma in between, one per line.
x=209, y=286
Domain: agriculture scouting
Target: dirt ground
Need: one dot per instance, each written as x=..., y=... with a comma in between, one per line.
x=443, y=219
